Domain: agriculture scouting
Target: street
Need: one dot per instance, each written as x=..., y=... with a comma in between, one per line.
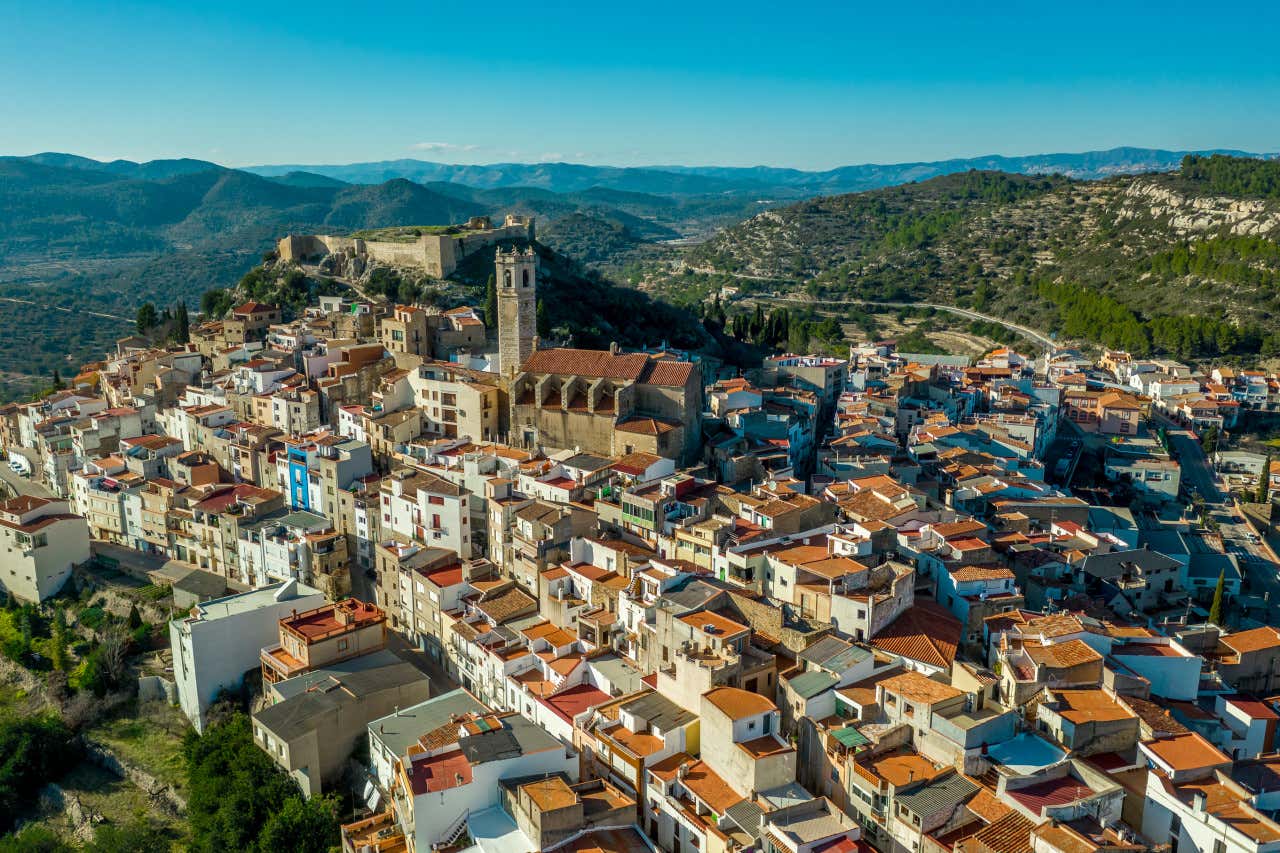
x=1197, y=470
x=1257, y=560
x=15, y=484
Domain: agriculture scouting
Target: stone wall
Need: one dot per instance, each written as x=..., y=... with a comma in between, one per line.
x=435, y=254
x=769, y=620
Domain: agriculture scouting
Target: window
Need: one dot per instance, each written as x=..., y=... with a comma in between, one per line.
x=342, y=644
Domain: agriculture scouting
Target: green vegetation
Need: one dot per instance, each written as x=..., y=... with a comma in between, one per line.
x=36, y=751
x=407, y=233
x=785, y=329
x=1237, y=260
x=588, y=307
x=917, y=341
x=1093, y=262
x=1215, y=609
x=491, y=302
x=404, y=287
x=241, y=800
x=1234, y=176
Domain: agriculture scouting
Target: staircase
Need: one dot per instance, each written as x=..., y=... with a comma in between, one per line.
x=454, y=832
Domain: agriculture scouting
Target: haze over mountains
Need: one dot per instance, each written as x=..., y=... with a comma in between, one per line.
x=568, y=177
x=78, y=234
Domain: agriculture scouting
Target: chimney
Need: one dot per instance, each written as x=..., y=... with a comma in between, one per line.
x=1197, y=801
x=613, y=348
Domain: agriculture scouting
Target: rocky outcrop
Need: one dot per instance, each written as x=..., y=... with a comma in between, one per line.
x=84, y=821
x=1193, y=215
x=162, y=795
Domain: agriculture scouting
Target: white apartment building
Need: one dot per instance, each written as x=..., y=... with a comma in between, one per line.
x=223, y=639
x=40, y=542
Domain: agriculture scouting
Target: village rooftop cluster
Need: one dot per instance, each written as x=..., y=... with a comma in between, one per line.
x=577, y=600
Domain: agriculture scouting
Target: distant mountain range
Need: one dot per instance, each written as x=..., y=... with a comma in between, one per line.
x=703, y=180
x=82, y=234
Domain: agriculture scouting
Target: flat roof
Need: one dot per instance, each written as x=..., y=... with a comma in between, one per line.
x=247, y=602
x=402, y=729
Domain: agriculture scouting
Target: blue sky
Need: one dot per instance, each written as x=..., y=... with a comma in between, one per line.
x=810, y=85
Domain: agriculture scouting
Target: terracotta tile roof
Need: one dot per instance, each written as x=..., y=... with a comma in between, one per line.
x=987, y=806
x=721, y=626
x=1056, y=625
x=917, y=687
x=673, y=373
x=595, y=364
x=902, y=767
x=1009, y=834
x=1188, y=751
x=737, y=704
x=925, y=632
x=1084, y=706
x=252, y=308
x=641, y=425
x=550, y=794
x=1231, y=808
x=636, y=463
x=669, y=767
x=1254, y=640
x=1061, y=655
x=506, y=605
x=707, y=786
x=980, y=573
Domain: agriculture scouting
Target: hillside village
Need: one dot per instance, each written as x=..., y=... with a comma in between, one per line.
x=506, y=596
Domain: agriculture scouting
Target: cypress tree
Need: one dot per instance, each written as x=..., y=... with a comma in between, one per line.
x=1215, y=609
x=491, y=302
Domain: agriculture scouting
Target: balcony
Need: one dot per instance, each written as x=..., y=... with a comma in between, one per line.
x=278, y=665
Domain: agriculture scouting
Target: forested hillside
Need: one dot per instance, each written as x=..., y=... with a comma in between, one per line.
x=1185, y=263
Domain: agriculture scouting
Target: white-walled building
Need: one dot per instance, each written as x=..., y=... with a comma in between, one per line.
x=223, y=639
x=40, y=541
x=428, y=509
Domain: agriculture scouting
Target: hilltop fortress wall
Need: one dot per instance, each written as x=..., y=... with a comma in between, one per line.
x=435, y=254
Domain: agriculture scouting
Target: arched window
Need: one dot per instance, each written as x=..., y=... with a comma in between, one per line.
x=524, y=278
x=506, y=278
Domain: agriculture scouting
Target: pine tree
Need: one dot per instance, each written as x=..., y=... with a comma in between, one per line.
x=1215, y=609
x=147, y=318
x=1262, y=494
x=58, y=384
x=135, y=618
x=491, y=303
x=1209, y=442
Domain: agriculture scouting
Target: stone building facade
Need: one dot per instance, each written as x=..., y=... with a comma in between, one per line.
x=517, y=279
x=608, y=403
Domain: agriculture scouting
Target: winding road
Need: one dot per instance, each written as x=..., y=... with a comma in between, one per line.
x=101, y=314
x=1031, y=334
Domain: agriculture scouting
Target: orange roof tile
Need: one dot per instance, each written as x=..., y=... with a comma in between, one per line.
x=737, y=704
x=707, y=786
x=925, y=632
x=917, y=687
x=1253, y=640
x=1062, y=655
x=1084, y=706
x=1188, y=751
